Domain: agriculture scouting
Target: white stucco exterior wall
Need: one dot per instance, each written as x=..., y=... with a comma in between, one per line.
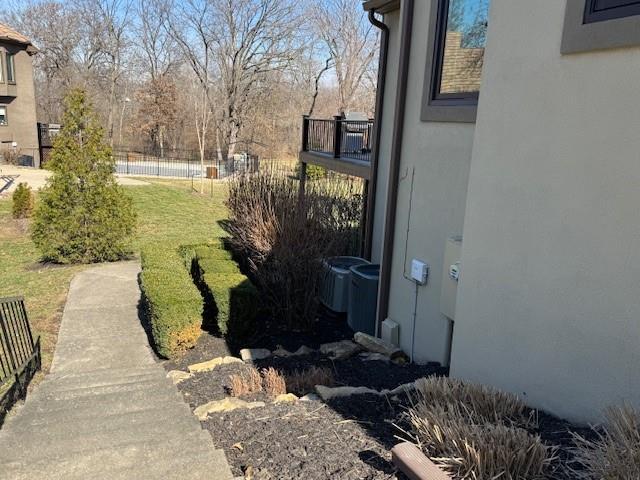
x=438, y=155
x=549, y=300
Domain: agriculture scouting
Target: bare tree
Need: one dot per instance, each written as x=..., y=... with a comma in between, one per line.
x=351, y=41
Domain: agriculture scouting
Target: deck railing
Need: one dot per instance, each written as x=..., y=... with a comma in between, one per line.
x=337, y=137
x=19, y=352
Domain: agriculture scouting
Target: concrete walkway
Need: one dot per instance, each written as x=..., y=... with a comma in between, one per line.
x=106, y=410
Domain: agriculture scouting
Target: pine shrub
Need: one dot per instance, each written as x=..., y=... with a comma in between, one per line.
x=83, y=215
x=23, y=201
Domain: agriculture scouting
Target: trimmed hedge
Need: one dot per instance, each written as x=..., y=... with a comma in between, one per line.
x=234, y=296
x=173, y=301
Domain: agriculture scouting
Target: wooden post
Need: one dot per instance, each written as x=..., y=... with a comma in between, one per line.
x=337, y=136
x=303, y=165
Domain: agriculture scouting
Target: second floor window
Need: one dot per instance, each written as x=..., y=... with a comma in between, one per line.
x=11, y=69
x=461, y=38
x=3, y=115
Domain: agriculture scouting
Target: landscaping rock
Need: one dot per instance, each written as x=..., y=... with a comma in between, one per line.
x=281, y=352
x=370, y=356
x=250, y=354
x=377, y=345
x=212, y=364
x=303, y=350
x=310, y=397
x=327, y=393
x=178, y=376
x=401, y=389
x=340, y=350
x=285, y=398
x=227, y=405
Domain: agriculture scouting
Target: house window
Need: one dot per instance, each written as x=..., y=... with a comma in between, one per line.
x=600, y=24
x=601, y=10
x=456, y=54
x=11, y=69
x=1, y=69
x=3, y=115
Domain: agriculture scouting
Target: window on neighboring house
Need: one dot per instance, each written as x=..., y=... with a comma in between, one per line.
x=1, y=69
x=601, y=10
x=11, y=68
x=3, y=115
x=456, y=55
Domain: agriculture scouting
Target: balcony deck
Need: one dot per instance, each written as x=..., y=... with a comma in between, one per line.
x=339, y=145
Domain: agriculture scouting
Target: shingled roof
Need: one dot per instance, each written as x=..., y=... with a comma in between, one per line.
x=8, y=34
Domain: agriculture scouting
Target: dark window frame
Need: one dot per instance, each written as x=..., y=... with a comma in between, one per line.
x=610, y=11
x=581, y=35
x=443, y=107
x=6, y=115
x=10, y=61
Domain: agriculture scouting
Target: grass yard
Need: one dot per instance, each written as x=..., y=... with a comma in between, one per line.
x=169, y=212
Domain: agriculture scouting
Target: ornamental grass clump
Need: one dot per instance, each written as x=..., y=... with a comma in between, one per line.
x=283, y=235
x=614, y=453
x=83, y=215
x=23, y=201
x=476, y=432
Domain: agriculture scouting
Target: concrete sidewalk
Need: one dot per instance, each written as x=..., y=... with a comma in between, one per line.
x=106, y=410
x=11, y=176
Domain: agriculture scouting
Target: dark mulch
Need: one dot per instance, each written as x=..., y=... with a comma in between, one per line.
x=354, y=371
x=306, y=440
x=208, y=346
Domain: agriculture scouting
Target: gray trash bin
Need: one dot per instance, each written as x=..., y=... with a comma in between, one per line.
x=363, y=298
x=334, y=284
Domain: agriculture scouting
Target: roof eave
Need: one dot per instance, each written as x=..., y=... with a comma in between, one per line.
x=381, y=6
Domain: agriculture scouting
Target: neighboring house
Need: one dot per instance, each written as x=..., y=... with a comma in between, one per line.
x=536, y=168
x=18, y=126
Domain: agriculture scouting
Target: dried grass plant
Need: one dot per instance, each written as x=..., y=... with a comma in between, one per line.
x=303, y=382
x=273, y=382
x=246, y=383
x=477, y=432
x=283, y=235
x=615, y=452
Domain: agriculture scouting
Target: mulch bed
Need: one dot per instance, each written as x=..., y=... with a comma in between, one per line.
x=345, y=438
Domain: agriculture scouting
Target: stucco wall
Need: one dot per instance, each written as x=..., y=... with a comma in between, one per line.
x=549, y=300
x=21, y=110
x=438, y=156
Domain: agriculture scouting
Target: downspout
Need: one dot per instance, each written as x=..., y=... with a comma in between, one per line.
x=377, y=121
x=406, y=25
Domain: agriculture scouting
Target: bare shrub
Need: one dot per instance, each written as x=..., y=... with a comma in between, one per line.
x=246, y=383
x=615, y=452
x=273, y=382
x=477, y=432
x=283, y=235
x=483, y=404
x=11, y=156
x=303, y=382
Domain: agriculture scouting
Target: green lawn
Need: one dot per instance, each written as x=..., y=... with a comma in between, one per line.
x=169, y=212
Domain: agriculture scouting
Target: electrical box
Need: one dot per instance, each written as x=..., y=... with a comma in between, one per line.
x=390, y=332
x=450, y=277
x=419, y=271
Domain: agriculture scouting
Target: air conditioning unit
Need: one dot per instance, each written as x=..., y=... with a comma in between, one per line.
x=363, y=298
x=334, y=283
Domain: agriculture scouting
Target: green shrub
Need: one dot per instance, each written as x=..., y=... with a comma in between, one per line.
x=173, y=302
x=236, y=302
x=22, y=201
x=83, y=215
x=234, y=298
x=314, y=172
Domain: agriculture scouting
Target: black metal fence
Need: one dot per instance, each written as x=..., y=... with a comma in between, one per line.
x=340, y=138
x=19, y=352
x=181, y=164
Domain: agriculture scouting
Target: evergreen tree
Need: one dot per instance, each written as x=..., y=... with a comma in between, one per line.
x=83, y=215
